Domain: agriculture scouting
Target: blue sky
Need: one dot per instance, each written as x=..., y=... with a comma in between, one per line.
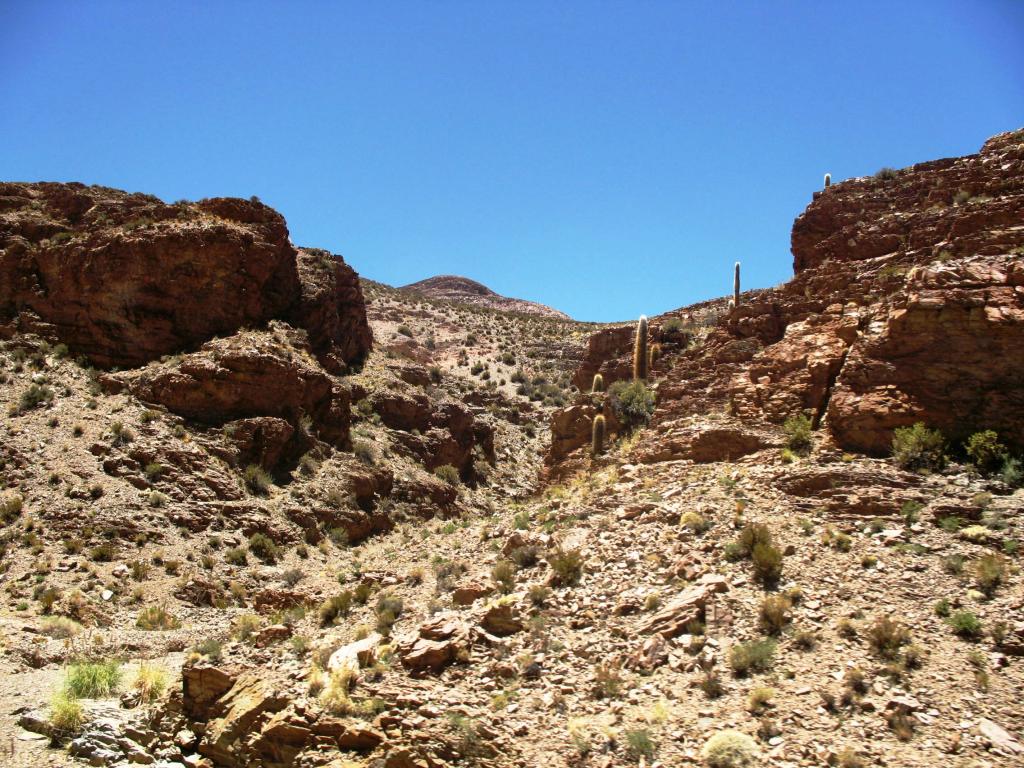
x=605, y=158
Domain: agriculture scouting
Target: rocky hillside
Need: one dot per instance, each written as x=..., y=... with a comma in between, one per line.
x=907, y=305
x=462, y=290
x=269, y=544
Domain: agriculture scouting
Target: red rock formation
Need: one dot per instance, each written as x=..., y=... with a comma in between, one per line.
x=259, y=373
x=331, y=308
x=907, y=305
x=125, y=278
x=435, y=433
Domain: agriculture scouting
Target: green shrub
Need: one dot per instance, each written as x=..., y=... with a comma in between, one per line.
x=918, y=448
x=884, y=174
x=365, y=452
x=92, y=679
x=965, y=624
x=632, y=402
x=236, y=556
x=798, y=434
x=257, y=480
x=985, y=451
x=731, y=749
x=755, y=656
x=103, y=553
x=67, y=715
x=263, y=547
x=209, y=648
x=448, y=474
x=1012, y=473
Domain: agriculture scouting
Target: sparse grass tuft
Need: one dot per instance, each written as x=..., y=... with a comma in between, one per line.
x=257, y=480
x=156, y=618
x=886, y=637
x=755, y=656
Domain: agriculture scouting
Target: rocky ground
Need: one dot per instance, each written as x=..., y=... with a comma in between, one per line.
x=409, y=555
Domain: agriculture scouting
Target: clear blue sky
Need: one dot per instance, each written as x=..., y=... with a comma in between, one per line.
x=607, y=159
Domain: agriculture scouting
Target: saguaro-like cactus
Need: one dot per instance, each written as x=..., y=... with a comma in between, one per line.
x=640, y=350
x=828, y=180
x=736, y=285
x=598, y=385
x=597, y=436
x=653, y=355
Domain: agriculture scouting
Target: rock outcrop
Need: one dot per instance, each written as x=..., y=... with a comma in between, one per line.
x=907, y=305
x=124, y=279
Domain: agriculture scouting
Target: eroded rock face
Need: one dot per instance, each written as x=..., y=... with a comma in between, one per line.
x=125, y=278
x=952, y=355
x=252, y=374
x=907, y=305
x=435, y=433
x=331, y=308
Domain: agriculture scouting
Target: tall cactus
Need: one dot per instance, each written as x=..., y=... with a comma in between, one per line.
x=640, y=350
x=828, y=180
x=597, y=436
x=598, y=385
x=736, y=285
x=653, y=354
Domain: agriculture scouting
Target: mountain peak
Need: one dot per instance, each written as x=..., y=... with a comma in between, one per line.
x=466, y=291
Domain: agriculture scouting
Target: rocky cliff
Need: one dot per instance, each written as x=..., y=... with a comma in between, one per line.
x=907, y=305
x=124, y=279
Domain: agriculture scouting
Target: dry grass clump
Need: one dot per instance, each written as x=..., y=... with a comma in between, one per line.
x=60, y=627
x=92, y=679
x=66, y=713
x=730, y=749
x=755, y=656
x=150, y=682
x=334, y=608
x=257, y=480
x=567, y=566
x=886, y=637
x=774, y=614
x=156, y=618
x=504, y=575
x=989, y=573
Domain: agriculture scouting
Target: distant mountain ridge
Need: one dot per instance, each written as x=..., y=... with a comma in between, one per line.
x=466, y=291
